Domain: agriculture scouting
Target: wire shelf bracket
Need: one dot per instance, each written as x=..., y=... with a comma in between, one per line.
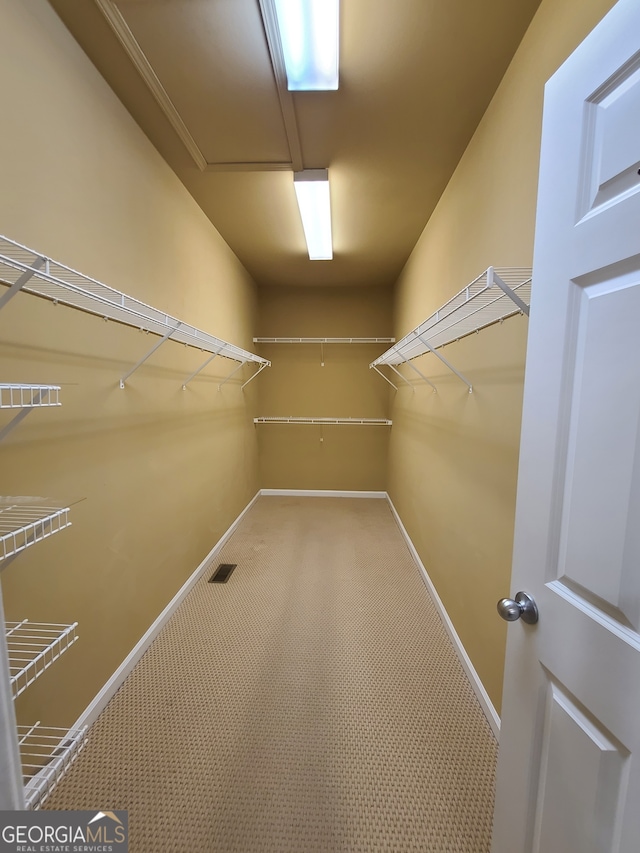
x=251, y=378
x=200, y=369
x=393, y=385
x=397, y=372
x=20, y=282
x=492, y=297
x=46, y=754
x=231, y=375
x=32, y=647
x=156, y=346
x=25, y=521
x=23, y=269
x=25, y=398
x=419, y=372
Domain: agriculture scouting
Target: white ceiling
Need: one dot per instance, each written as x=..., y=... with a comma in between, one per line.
x=415, y=79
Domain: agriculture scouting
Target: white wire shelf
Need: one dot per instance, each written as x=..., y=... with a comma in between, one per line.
x=26, y=520
x=498, y=293
x=23, y=269
x=325, y=421
x=32, y=648
x=323, y=340
x=14, y=396
x=26, y=398
x=46, y=753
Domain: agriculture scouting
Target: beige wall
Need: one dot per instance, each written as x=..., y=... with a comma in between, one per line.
x=163, y=471
x=347, y=457
x=453, y=456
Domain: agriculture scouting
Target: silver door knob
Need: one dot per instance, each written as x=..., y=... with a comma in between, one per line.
x=523, y=607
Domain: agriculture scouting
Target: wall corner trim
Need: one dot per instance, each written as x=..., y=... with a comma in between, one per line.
x=483, y=697
x=102, y=698
x=321, y=493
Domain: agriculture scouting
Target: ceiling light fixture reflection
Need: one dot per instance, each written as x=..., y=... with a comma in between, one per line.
x=312, y=192
x=309, y=38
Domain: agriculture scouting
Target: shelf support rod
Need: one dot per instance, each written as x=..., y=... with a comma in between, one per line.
x=384, y=377
x=448, y=363
x=202, y=367
x=151, y=352
x=494, y=278
x=20, y=283
x=419, y=372
x=406, y=381
x=233, y=373
x=251, y=378
x=22, y=414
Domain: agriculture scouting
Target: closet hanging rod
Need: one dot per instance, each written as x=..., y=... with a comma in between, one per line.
x=323, y=340
x=325, y=421
x=24, y=269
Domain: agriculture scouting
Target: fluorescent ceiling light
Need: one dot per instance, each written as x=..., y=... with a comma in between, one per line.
x=309, y=38
x=312, y=191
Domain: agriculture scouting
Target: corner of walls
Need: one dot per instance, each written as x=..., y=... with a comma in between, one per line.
x=334, y=380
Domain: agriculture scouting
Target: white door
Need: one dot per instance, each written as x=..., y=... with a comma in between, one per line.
x=569, y=765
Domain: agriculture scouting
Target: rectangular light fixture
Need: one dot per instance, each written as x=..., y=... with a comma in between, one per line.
x=312, y=191
x=309, y=39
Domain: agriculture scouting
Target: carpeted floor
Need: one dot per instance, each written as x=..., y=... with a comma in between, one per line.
x=312, y=703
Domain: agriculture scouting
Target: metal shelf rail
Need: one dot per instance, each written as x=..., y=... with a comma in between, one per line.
x=26, y=398
x=15, y=396
x=493, y=296
x=32, y=648
x=46, y=754
x=325, y=421
x=25, y=521
x=23, y=269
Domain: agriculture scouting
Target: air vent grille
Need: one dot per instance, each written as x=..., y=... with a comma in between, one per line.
x=222, y=573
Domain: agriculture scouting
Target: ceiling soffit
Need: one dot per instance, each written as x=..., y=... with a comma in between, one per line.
x=190, y=61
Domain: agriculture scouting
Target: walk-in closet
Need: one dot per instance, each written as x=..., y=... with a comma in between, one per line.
x=262, y=486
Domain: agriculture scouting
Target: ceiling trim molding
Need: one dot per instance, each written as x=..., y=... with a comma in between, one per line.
x=287, y=106
x=258, y=166
x=127, y=39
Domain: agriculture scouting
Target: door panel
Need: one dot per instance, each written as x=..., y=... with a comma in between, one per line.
x=600, y=520
x=612, y=155
x=569, y=763
x=583, y=781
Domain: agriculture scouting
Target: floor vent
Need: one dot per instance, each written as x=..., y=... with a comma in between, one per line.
x=222, y=573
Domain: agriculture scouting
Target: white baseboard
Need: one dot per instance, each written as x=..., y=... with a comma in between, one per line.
x=99, y=703
x=321, y=493
x=477, y=685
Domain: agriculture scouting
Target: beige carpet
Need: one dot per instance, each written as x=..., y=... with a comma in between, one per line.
x=312, y=703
